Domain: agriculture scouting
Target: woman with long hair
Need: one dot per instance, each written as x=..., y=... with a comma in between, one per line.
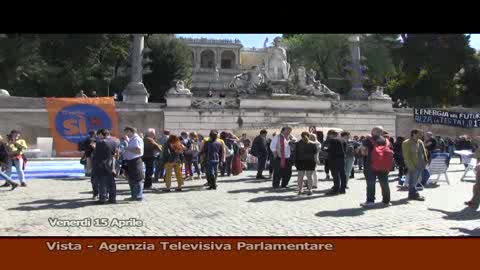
x=173, y=156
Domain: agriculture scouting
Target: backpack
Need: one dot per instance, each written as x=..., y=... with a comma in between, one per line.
x=381, y=157
x=350, y=151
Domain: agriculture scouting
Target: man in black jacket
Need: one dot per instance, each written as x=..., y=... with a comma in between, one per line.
x=336, y=161
x=261, y=152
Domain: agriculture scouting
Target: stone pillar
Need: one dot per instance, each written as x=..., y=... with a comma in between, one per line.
x=218, y=58
x=357, y=91
x=136, y=91
x=198, y=58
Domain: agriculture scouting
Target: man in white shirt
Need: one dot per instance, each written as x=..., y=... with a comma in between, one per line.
x=134, y=169
x=281, y=158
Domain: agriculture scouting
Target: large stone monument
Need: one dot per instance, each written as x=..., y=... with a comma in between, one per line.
x=135, y=92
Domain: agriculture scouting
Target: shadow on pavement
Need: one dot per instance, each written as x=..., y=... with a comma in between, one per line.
x=245, y=180
x=474, y=232
x=72, y=179
x=291, y=198
x=258, y=190
x=464, y=214
x=353, y=212
x=52, y=204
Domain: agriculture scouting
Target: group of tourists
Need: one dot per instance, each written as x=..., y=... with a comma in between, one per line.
x=11, y=155
x=377, y=155
x=144, y=159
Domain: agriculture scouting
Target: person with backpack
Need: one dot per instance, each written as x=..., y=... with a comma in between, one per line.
x=349, y=155
x=4, y=160
x=336, y=161
x=416, y=159
x=260, y=151
x=378, y=163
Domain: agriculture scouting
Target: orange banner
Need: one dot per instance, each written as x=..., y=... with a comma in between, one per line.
x=72, y=118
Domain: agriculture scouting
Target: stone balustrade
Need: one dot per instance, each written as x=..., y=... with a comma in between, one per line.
x=211, y=41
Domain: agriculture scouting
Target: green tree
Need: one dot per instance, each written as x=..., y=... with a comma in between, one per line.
x=170, y=60
x=325, y=53
x=429, y=64
x=376, y=51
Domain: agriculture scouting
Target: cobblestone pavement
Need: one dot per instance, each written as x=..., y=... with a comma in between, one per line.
x=241, y=206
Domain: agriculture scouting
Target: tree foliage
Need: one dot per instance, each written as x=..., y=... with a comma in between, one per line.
x=325, y=53
x=170, y=60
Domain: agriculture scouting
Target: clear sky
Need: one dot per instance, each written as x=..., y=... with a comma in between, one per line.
x=256, y=40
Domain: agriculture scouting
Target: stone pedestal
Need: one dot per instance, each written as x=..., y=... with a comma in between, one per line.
x=179, y=101
x=381, y=105
x=285, y=102
x=357, y=94
x=135, y=93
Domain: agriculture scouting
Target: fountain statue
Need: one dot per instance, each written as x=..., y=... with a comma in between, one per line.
x=307, y=85
x=379, y=95
x=275, y=77
x=179, y=89
x=248, y=82
x=277, y=67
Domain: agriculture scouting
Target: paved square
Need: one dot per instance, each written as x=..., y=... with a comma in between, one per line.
x=241, y=206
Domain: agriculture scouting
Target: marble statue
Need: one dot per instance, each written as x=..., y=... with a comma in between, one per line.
x=379, y=95
x=4, y=93
x=309, y=86
x=277, y=67
x=248, y=82
x=179, y=89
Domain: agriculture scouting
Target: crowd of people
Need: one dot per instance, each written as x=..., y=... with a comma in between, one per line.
x=144, y=159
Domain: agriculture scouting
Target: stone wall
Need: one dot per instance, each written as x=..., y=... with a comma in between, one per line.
x=356, y=117
x=232, y=119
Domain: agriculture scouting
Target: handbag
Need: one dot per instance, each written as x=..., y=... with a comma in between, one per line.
x=237, y=165
x=83, y=160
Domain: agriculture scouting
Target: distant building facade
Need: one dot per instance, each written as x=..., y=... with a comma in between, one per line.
x=215, y=61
